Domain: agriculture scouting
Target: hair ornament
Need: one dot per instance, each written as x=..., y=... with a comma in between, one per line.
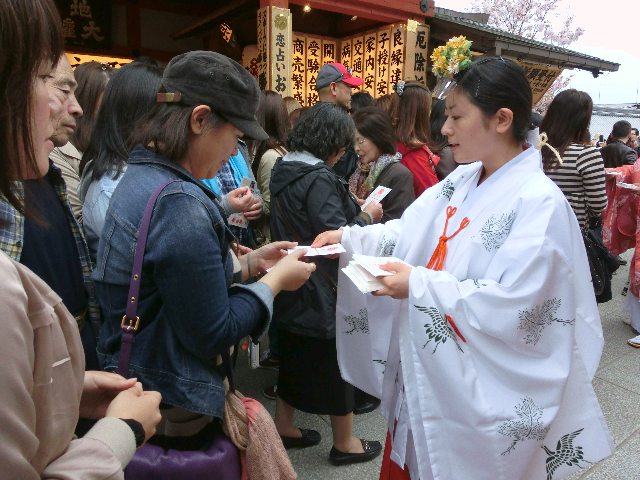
x=449, y=60
x=542, y=142
x=452, y=58
x=399, y=87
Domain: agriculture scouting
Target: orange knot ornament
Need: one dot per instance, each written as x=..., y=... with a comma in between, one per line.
x=440, y=253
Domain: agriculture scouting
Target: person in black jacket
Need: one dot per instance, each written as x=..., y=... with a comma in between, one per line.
x=616, y=153
x=308, y=198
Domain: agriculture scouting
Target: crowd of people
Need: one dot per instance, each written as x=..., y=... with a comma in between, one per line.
x=165, y=205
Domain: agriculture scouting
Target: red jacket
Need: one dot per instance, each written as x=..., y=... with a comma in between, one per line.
x=421, y=162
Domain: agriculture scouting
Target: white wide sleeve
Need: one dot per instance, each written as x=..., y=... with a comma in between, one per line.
x=362, y=340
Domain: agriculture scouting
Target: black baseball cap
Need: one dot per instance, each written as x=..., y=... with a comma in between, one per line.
x=209, y=78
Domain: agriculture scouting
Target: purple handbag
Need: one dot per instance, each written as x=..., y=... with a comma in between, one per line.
x=221, y=459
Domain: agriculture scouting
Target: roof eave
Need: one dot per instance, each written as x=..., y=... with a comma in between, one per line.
x=566, y=60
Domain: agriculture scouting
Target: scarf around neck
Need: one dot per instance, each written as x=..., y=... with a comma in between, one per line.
x=363, y=179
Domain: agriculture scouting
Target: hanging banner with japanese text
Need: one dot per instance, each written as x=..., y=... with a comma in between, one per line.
x=329, y=54
x=370, y=40
x=357, y=57
x=280, y=58
x=314, y=62
x=382, y=62
x=396, y=56
x=346, y=52
x=380, y=57
x=540, y=78
x=417, y=37
x=263, y=46
x=298, y=68
x=86, y=23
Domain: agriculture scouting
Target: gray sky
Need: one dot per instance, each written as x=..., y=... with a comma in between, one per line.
x=612, y=32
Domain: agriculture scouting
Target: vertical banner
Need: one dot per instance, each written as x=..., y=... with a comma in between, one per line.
x=314, y=59
x=396, y=58
x=416, y=51
x=357, y=57
x=382, y=61
x=298, y=68
x=369, y=78
x=329, y=54
x=346, y=52
x=279, y=38
x=263, y=47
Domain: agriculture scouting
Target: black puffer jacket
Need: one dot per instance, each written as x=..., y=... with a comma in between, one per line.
x=308, y=199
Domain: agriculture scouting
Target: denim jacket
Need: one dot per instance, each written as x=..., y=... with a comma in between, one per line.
x=189, y=311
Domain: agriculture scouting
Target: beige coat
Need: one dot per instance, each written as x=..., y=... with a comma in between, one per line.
x=267, y=161
x=42, y=374
x=67, y=158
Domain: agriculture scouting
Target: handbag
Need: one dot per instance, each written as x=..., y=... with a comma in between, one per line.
x=256, y=451
x=153, y=462
x=601, y=264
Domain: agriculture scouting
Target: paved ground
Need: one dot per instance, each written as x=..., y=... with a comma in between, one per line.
x=617, y=385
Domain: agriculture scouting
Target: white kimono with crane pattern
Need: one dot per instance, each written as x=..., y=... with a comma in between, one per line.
x=485, y=370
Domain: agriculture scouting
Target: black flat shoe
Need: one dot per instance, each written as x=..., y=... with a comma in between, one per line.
x=309, y=438
x=366, y=407
x=371, y=450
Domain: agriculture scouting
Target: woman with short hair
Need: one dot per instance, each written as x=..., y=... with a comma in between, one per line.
x=379, y=163
x=307, y=197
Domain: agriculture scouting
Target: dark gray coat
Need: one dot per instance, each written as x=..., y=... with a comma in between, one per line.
x=307, y=200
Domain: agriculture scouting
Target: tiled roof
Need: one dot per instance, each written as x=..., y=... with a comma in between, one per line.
x=501, y=35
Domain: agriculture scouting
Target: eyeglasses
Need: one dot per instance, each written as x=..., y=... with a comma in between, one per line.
x=360, y=140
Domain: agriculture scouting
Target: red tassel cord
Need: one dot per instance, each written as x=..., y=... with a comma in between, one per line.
x=439, y=254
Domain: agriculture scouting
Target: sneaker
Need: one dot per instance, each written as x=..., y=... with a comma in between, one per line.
x=271, y=392
x=634, y=342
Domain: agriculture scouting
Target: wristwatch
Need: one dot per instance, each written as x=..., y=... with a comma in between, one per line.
x=138, y=430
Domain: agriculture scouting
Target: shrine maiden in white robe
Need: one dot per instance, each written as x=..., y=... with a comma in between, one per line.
x=486, y=368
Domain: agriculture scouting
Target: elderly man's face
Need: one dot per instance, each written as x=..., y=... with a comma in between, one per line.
x=62, y=85
x=343, y=95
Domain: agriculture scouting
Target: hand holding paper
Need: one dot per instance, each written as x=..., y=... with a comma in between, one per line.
x=367, y=274
x=333, y=249
x=376, y=195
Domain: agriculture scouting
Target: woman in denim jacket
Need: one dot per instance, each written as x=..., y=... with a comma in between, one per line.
x=189, y=310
